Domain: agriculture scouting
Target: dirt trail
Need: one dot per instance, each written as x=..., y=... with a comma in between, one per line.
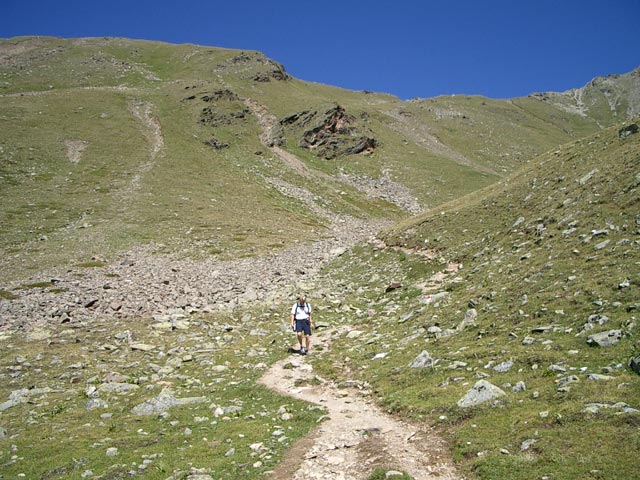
x=357, y=436
x=152, y=130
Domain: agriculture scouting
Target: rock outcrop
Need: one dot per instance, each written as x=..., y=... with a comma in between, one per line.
x=331, y=134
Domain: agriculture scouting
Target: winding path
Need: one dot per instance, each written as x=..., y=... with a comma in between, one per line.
x=357, y=436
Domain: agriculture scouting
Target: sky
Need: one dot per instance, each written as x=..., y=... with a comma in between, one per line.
x=408, y=48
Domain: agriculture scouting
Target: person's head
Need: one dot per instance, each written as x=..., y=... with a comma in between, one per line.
x=302, y=298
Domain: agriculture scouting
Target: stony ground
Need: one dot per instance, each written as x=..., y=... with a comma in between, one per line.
x=357, y=436
x=143, y=284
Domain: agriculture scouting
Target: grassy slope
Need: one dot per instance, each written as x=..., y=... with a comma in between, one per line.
x=45, y=195
x=220, y=197
x=57, y=435
x=520, y=280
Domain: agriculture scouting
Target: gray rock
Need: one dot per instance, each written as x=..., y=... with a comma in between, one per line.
x=621, y=406
x=557, y=368
x=583, y=180
x=527, y=444
x=481, y=392
x=435, y=298
x=598, y=377
x=589, y=325
x=434, y=330
x=117, y=388
x=422, y=361
x=503, y=367
x=519, y=387
x=22, y=396
x=258, y=332
x=94, y=403
x=349, y=384
x=469, y=319
x=518, y=222
x=542, y=329
x=563, y=382
x=605, y=339
x=163, y=402
x=634, y=364
x=112, y=452
x=628, y=130
x=144, y=347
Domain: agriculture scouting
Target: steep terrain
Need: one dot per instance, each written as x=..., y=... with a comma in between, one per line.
x=162, y=204
x=511, y=315
x=109, y=143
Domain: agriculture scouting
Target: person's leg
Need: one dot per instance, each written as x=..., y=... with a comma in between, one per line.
x=307, y=341
x=300, y=338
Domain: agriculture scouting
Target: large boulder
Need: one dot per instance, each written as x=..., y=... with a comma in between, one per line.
x=469, y=319
x=332, y=133
x=422, y=361
x=628, y=130
x=163, y=402
x=481, y=392
x=605, y=339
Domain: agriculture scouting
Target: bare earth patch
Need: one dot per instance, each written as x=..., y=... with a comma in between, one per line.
x=75, y=148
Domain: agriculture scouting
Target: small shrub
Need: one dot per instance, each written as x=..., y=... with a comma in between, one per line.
x=91, y=264
x=5, y=295
x=381, y=474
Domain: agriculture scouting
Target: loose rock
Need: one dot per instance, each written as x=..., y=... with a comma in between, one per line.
x=481, y=392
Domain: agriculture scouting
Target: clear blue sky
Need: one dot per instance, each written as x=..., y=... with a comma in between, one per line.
x=410, y=48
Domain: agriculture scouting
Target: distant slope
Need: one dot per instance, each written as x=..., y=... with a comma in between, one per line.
x=109, y=143
x=604, y=98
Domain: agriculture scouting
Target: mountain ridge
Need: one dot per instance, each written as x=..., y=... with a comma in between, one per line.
x=78, y=87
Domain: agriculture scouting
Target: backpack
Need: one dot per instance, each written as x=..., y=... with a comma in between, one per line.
x=305, y=308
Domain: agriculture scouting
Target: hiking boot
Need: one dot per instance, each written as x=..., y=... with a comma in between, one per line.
x=302, y=351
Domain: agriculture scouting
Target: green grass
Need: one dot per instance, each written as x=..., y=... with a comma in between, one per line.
x=92, y=264
x=5, y=295
x=55, y=436
x=381, y=474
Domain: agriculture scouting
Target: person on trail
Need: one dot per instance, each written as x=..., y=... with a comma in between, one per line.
x=301, y=322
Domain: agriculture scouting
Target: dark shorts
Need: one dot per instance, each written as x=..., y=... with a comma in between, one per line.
x=303, y=326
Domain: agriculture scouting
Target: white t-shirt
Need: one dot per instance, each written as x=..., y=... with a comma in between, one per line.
x=301, y=312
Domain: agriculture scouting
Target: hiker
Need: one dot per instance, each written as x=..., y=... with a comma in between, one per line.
x=301, y=322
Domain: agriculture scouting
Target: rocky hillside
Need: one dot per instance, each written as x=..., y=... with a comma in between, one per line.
x=108, y=144
x=604, y=98
x=511, y=316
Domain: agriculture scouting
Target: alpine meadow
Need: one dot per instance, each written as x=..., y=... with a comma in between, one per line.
x=473, y=267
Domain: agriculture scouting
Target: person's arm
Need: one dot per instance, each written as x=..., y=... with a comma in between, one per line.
x=292, y=320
